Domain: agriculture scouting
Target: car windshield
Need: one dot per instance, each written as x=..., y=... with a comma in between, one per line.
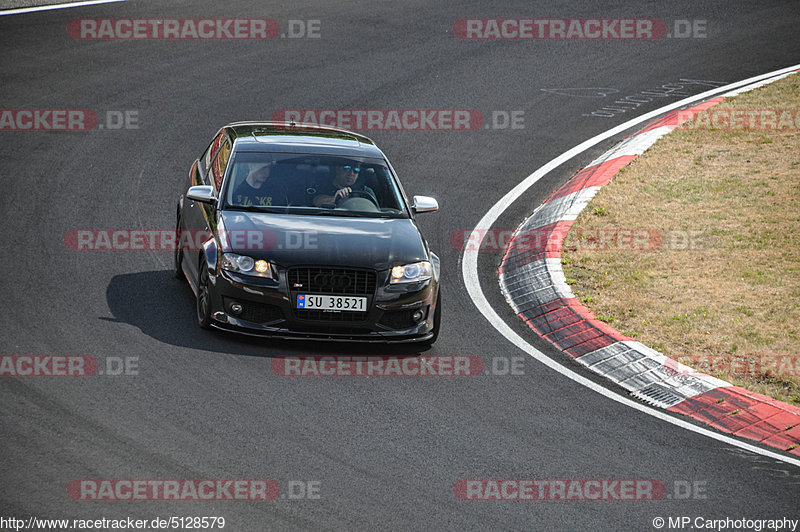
x=313, y=184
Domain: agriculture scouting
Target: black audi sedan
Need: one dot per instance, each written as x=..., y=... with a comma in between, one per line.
x=301, y=231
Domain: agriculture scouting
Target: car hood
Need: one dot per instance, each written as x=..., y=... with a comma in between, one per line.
x=292, y=240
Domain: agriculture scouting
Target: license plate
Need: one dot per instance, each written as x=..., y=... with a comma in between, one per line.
x=334, y=303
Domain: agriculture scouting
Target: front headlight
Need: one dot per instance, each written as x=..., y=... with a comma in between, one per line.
x=247, y=265
x=412, y=273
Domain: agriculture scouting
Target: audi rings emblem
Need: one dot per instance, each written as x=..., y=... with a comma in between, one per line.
x=332, y=280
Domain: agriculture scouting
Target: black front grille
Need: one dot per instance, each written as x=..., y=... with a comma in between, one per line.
x=338, y=281
x=342, y=281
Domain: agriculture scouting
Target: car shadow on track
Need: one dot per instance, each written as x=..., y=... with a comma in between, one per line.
x=162, y=307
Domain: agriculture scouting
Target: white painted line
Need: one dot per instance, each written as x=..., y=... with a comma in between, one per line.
x=634, y=145
x=562, y=209
x=757, y=85
x=21, y=10
x=469, y=270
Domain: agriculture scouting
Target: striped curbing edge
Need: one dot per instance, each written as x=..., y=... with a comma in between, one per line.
x=533, y=283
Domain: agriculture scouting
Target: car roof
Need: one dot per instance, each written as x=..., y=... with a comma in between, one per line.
x=298, y=137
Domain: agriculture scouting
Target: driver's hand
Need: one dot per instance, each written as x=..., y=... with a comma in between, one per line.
x=342, y=193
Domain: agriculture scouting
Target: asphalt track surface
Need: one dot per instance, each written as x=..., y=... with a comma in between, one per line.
x=205, y=405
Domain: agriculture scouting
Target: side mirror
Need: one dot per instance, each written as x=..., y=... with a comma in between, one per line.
x=424, y=204
x=203, y=194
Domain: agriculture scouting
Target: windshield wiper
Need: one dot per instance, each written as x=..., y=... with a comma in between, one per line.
x=322, y=212
x=352, y=214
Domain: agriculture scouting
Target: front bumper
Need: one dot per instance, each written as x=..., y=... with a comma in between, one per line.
x=269, y=310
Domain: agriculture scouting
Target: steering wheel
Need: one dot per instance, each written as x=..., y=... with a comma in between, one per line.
x=362, y=194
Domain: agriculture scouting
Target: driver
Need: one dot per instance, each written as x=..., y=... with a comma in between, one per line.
x=342, y=186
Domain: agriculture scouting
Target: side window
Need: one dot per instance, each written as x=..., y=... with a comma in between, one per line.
x=219, y=164
x=199, y=170
x=208, y=157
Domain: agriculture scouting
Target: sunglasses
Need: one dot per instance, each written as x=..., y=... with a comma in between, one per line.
x=355, y=169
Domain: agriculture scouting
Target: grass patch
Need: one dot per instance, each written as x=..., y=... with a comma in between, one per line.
x=724, y=279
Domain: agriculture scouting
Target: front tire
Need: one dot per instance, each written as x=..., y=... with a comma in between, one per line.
x=203, y=298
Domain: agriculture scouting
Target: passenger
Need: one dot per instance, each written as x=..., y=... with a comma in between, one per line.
x=255, y=190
